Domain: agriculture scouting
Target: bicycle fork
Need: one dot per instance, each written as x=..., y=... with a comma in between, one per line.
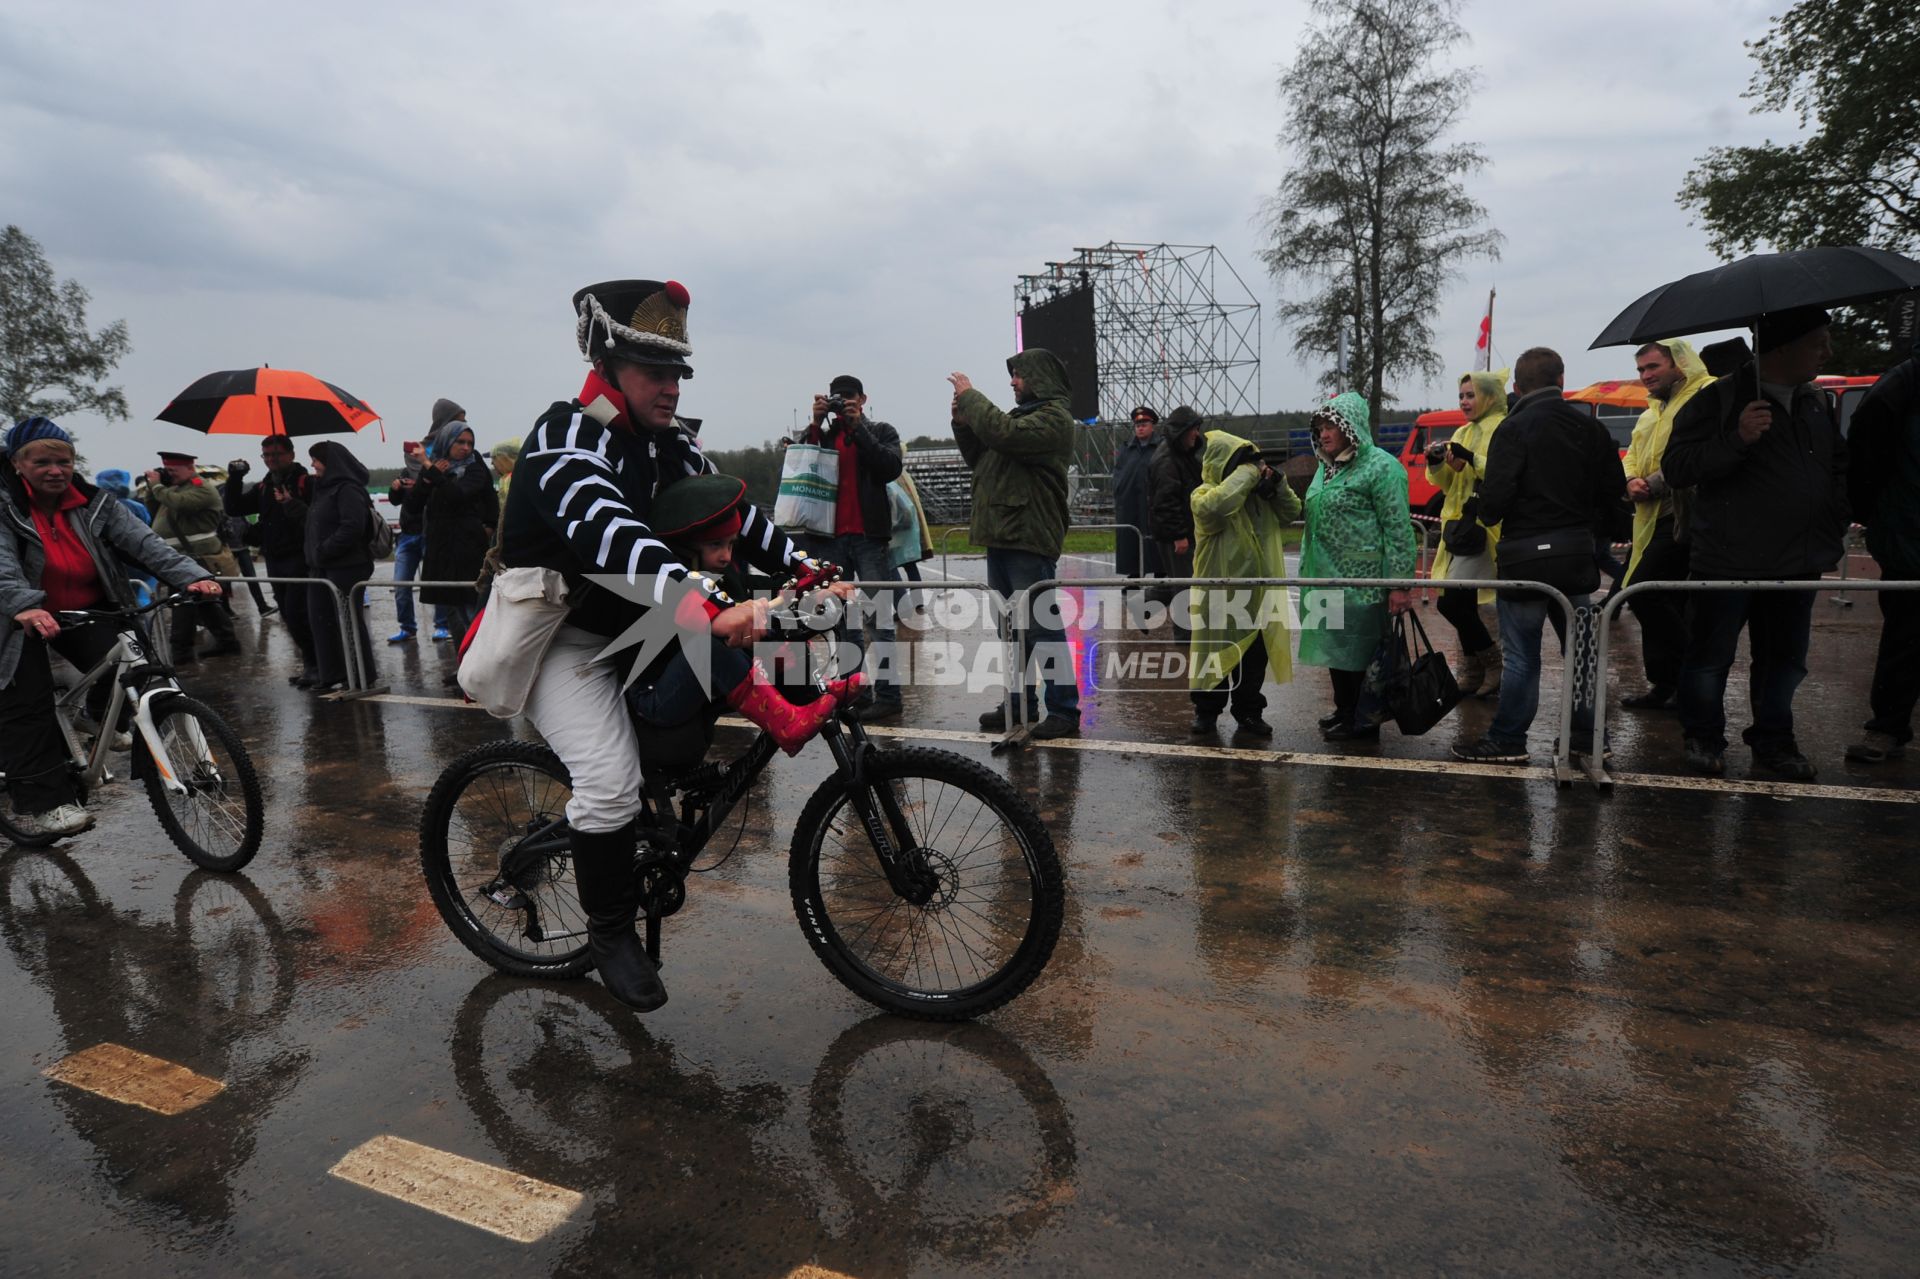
x=885, y=822
x=163, y=763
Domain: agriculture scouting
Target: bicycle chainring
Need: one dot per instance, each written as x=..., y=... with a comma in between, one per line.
x=663, y=886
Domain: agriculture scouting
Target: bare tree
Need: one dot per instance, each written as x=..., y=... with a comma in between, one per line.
x=1374, y=216
x=50, y=364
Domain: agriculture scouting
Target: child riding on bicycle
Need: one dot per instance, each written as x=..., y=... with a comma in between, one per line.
x=699, y=519
x=64, y=545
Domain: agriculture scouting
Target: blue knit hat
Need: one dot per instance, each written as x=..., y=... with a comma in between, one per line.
x=35, y=428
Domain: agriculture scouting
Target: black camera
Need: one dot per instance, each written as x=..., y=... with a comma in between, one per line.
x=1436, y=452
x=836, y=404
x=238, y=467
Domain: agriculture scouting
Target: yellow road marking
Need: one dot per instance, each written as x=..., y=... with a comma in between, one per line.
x=133, y=1078
x=495, y=1200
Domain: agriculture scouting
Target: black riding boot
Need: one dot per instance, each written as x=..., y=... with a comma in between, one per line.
x=610, y=896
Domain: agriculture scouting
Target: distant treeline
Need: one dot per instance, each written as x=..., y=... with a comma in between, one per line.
x=759, y=465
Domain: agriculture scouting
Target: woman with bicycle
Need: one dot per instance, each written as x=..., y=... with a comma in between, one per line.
x=64, y=545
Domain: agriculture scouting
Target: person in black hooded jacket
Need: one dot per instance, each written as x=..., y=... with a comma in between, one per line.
x=1173, y=473
x=338, y=524
x=1763, y=453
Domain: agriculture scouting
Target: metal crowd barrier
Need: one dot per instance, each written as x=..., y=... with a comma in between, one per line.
x=357, y=678
x=1605, y=615
x=1589, y=631
x=1423, y=558
x=1847, y=543
x=360, y=681
x=895, y=585
x=410, y=584
x=1579, y=650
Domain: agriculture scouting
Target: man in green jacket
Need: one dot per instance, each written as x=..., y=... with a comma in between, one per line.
x=187, y=515
x=1019, y=462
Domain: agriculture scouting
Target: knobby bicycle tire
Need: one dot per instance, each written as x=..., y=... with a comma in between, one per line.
x=481, y=805
x=988, y=930
x=219, y=822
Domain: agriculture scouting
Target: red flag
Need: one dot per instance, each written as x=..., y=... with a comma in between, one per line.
x=1483, y=347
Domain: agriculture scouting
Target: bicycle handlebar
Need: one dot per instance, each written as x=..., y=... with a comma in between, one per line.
x=823, y=575
x=90, y=616
x=786, y=623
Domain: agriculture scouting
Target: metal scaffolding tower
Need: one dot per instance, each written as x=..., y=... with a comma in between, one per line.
x=1173, y=324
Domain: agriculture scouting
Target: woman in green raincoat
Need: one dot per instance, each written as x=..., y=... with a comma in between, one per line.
x=1239, y=634
x=1462, y=465
x=1357, y=526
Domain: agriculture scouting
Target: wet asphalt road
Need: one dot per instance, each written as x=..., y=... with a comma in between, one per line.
x=1303, y=1018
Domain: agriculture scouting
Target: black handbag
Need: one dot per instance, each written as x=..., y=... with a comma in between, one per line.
x=1423, y=689
x=1465, y=537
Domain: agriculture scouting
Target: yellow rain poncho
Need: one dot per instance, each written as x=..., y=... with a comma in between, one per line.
x=1649, y=444
x=1489, y=411
x=1237, y=534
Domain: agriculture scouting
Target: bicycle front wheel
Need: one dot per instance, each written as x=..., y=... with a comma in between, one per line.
x=517, y=909
x=218, y=818
x=990, y=923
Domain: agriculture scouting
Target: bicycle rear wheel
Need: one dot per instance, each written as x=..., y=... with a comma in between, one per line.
x=989, y=926
x=517, y=910
x=217, y=822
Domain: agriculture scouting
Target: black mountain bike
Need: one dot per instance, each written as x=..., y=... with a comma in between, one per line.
x=924, y=882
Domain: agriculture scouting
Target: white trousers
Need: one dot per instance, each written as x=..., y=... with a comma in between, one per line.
x=576, y=703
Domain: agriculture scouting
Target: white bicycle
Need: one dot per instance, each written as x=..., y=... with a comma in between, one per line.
x=196, y=773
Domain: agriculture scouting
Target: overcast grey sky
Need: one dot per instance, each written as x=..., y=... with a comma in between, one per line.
x=401, y=198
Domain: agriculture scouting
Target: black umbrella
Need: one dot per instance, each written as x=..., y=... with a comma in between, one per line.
x=1736, y=295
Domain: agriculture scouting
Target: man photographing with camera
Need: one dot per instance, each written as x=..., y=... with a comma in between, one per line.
x=868, y=454
x=281, y=537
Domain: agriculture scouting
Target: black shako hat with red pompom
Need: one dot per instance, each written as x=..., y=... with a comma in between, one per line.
x=641, y=321
x=700, y=508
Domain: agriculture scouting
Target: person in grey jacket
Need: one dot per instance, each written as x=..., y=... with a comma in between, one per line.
x=64, y=545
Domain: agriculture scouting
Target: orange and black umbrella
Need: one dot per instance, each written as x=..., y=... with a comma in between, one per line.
x=1621, y=393
x=268, y=402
